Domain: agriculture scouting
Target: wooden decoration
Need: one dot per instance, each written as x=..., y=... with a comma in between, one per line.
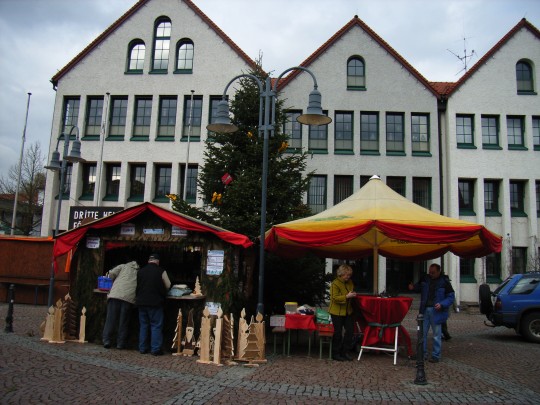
x=189, y=342
x=58, y=328
x=243, y=330
x=197, y=290
x=82, y=326
x=206, y=325
x=70, y=318
x=218, y=332
x=49, y=325
x=261, y=338
x=254, y=341
x=177, y=340
x=227, y=345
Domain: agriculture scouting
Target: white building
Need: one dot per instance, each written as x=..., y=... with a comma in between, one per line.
x=424, y=139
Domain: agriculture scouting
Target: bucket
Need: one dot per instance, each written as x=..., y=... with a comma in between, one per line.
x=290, y=307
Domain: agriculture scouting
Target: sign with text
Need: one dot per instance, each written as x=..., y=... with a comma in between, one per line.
x=79, y=214
x=214, y=263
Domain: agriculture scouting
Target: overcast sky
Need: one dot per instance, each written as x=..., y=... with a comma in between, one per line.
x=39, y=37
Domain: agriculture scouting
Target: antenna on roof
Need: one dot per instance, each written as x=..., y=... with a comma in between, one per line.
x=465, y=58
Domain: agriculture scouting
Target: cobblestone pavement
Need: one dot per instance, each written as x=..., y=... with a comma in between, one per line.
x=480, y=365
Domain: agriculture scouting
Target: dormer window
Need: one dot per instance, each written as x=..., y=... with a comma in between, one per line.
x=524, y=78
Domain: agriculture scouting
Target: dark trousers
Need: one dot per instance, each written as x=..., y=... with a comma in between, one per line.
x=151, y=326
x=118, y=313
x=342, y=342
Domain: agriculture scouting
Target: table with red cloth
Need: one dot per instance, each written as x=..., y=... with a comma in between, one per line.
x=299, y=322
x=381, y=316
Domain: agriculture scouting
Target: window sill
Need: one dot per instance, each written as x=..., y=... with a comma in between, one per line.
x=467, y=279
x=493, y=214
x=134, y=72
x=422, y=154
x=395, y=153
x=517, y=147
x=493, y=280
x=136, y=198
x=526, y=93
x=86, y=197
x=318, y=151
x=191, y=139
x=293, y=150
x=466, y=146
x=343, y=152
x=90, y=138
x=518, y=214
x=158, y=72
x=370, y=152
x=359, y=88
x=64, y=197
x=183, y=71
x=160, y=199
x=165, y=139
x=492, y=147
x=467, y=213
x=115, y=138
x=112, y=197
x=536, y=147
x=140, y=138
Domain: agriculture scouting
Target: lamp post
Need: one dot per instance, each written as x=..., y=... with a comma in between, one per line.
x=267, y=104
x=55, y=165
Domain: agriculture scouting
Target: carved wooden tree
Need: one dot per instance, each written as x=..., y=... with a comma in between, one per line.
x=70, y=318
x=177, y=340
x=227, y=345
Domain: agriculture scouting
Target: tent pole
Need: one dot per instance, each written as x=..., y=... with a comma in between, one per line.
x=375, y=270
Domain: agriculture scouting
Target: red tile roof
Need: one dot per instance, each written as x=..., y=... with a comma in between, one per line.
x=126, y=16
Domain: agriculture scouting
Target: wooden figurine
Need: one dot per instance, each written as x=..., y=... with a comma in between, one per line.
x=70, y=319
x=177, y=340
x=58, y=328
x=189, y=342
x=227, y=345
x=218, y=332
x=49, y=325
x=243, y=331
x=206, y=327
x=82, y=326
x=197, y=290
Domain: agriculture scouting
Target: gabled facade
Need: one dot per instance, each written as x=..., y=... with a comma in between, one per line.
x=387, y=119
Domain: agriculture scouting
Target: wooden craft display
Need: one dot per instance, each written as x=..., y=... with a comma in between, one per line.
x=251, y=340
x=197, y=290
x=189, y=343
x=177, y=340
x=204, y=341
x=60, y=324
x=227, y=345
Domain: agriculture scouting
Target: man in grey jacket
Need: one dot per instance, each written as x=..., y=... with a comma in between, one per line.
x=120, y=300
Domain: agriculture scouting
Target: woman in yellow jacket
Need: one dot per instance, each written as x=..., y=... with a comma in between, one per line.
x=341, y=290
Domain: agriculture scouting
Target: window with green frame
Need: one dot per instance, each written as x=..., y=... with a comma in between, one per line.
x=466, y=197
x=493, y=268
x=192, y=118
x=137, y=181
x=465, y=131
x=369, y=133
x=538, y=198
x=117, y=119
x=70, y=115
x=162, y=43
x=490, y=132
x=141, y=121
x=536, y=132
x=162, y=185
x=356, y=73
x=395, y=134
x=136, y=55
x=396, y=183
x=466, y=270
x=491, y=198
x=316, y=197
x=67, y=181
x=318, y=138
x=422, y=191
x=191, y=182
x=517, y=198
x=515, y=129
x=420, y=134
x=293, y=129
x=94, y=111
x=167, y=118
x=343, y=188
x=524, y=78
x=112, y=181
x=519, y=260
x=88, y=181
x=184, y=56
x=343, y=131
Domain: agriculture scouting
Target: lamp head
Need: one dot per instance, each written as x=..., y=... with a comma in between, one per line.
x=222, y=123
x=75, y=154
x=54, y=163
x=314, y=114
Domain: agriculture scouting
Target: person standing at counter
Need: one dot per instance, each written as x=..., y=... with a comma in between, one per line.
x=341, y=311
x=152, y=286
x=120, y=300
x=437, y=295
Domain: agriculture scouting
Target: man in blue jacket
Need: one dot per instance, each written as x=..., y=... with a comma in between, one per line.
x=437, y=296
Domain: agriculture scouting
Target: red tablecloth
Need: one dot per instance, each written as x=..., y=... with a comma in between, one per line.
x=381, y=316
x=299, y=321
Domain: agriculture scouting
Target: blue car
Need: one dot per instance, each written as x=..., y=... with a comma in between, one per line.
x=514, y=304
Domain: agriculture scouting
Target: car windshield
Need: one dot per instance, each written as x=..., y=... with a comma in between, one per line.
x=526, y=285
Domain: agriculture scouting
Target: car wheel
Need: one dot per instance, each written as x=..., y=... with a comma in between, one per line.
x=486, y=306
x=530, y=327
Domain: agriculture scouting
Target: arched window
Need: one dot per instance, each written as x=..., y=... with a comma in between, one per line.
x=356, y=73
x=184, y=59
x=162, y=39
x=136, y=53
x=524, y=77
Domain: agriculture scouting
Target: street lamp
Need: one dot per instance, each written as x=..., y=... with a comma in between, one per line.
x=267, y=104
x=55, y=165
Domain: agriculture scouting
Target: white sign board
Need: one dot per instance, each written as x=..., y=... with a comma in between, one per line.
x=177, y=231
x=214, y=262
x=92, y=242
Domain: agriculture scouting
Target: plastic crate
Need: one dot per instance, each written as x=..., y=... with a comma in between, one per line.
x=104, y=283
x=277, y=320
x=325, y=327
x=291, y=307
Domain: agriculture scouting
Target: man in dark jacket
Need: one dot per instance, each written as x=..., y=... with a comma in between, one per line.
x=152, y=286
x=437, y=296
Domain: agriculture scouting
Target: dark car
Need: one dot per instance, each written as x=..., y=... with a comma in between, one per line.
x=514, y=304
